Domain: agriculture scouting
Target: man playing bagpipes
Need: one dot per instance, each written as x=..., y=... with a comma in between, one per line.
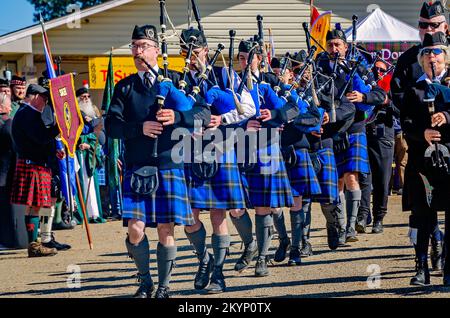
x=155, y=192
x=301, y=170
x=407, y=72
x=350, y=144
x=264, y=173
x=425, y=118
x=215, y=185
x=380, y=133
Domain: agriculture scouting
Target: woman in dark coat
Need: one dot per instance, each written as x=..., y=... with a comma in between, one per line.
x=427, y=189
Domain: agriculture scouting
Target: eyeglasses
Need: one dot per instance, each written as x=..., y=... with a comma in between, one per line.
x=435, y=51
x=380, y=69
x=142, y=47
x=433, y=25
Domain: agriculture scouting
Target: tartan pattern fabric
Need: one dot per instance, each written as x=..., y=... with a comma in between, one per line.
x=223, y=191
x=31, y=185
x=302, y=177
x=169, y=204
x=328, y=178
x=268, y=181
x=356, y=157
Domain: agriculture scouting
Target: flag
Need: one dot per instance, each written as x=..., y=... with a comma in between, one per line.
x=113, y=145
x=47, y=53
x=67, y=113
x=319, y=30
x=314, y=14
x=66, y=171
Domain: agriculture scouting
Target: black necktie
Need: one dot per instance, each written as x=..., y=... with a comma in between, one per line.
x=148, y=80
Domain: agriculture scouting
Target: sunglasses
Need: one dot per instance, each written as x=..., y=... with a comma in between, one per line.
x=435, y=51
x=380, y=69
x=433, y=25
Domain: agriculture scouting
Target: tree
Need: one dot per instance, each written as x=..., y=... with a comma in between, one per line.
x=52, y=9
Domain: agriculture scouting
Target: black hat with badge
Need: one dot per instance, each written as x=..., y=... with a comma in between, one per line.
x=187, y=34
x=245, y=46
x=145, y=32
x=337, y=33
x=430, y=10
x=299, y=58
x=275, y=63
x=434, y=39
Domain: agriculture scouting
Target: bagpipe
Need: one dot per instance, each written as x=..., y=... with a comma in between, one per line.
x=437, y=156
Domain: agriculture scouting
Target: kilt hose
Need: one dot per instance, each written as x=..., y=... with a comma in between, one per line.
x=328, y=178
x=268, y=181
x=356, y=157
x=31, y=185
x=302, y=177
x=169, y=204
x=222, y=191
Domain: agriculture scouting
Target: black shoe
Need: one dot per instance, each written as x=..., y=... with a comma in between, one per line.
x=145, y=289
x=350, y=236
x=250, y=252
x=332, y=236
x=162, y=292
x=58, y=246
x=217, y=284
x=294, y=257
x=282, y=249
x=114, y=217
x=377, y=227
x=436, y=255
x=62, y=226
x=204, y=270
x=422, y=277
x=360, y=226
x=306, y=249
x=261, y=269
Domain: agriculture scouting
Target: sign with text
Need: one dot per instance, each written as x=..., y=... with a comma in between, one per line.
x=123, y=66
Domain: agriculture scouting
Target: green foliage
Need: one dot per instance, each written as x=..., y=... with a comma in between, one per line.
x=52, y=9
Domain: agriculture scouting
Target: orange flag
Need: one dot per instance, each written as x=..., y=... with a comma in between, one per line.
x=319, y=30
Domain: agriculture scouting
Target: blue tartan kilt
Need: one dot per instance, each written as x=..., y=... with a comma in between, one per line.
x=356, y=157
x=303, y=178
x=223, y=191
x=169, y=204
x=268, y=181
x=328, y=178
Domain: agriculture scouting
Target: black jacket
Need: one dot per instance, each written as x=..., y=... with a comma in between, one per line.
x=32, y=140
x=415, y=119
x=132, y=104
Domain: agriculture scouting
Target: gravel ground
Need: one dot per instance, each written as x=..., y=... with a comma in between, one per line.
x=107, y=272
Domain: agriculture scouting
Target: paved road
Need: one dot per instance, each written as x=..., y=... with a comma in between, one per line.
x=107, y=272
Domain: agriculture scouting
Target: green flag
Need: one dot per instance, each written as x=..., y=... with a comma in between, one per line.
x=113, y=144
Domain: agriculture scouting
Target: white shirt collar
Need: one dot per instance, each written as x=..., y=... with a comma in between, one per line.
x=424, y=77
x=152, y=76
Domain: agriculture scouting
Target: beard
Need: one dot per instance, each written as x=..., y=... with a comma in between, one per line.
x=87, y=108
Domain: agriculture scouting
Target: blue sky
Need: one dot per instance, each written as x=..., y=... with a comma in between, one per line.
x=15, y=15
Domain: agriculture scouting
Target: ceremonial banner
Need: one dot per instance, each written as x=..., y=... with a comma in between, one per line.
x=319, y=30
x=67, y=112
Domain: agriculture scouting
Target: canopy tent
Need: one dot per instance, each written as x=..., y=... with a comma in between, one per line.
x=382, y=27
x=381, y=32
